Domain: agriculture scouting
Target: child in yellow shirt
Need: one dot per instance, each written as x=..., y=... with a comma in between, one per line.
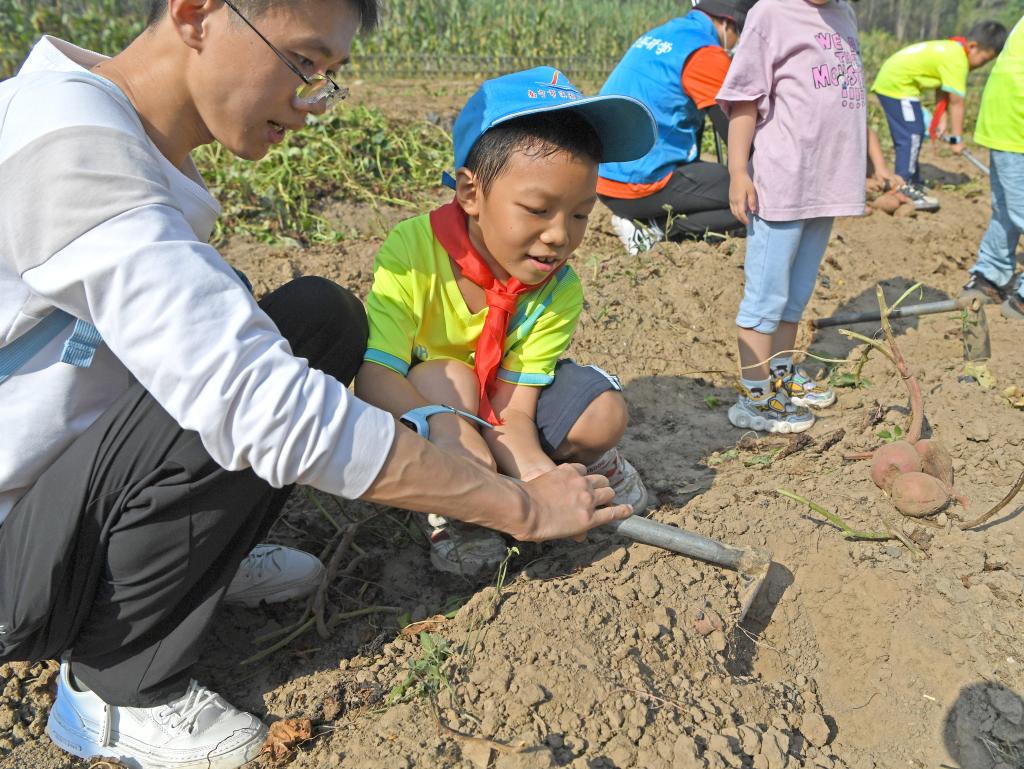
x=473, y=306
x=1001, y=129
x=944, y=66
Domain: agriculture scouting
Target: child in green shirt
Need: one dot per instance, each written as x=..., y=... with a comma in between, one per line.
x=944, y=66
x=1001, y=129
x=473, y=306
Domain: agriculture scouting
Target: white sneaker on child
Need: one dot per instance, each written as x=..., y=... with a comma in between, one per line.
x=637, y=239
x=272, y=574
x=199, y=730
x=771, y=412
x=623, y=478
x=461, y=548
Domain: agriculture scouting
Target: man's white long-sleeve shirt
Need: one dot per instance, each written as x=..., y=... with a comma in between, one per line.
x=95, y=221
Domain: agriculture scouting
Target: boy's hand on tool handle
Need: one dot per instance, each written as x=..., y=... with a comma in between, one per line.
x=566, y=503
x=742, y=196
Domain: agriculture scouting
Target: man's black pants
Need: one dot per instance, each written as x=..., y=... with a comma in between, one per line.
x=698, y=194
x=119, y=555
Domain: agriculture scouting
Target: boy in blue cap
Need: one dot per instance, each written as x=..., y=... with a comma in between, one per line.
x=473, y=305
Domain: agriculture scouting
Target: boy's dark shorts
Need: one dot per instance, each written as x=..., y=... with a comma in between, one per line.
x=563, y=401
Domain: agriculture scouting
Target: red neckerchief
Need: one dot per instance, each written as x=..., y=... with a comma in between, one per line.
x=449, y=226
x=940, y=108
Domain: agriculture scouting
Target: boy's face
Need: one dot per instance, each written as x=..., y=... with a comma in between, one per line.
x=978, y=56
x=244, y=94
x=533, y=216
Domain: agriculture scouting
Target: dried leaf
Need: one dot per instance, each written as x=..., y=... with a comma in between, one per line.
x=979, y=370
x=1014, y=396
x=284, y=735
x=98, y=762
x=429, y=625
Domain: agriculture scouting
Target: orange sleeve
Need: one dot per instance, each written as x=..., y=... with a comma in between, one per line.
x=704, y=73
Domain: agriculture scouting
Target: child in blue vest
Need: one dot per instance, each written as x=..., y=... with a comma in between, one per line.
x=676, y=69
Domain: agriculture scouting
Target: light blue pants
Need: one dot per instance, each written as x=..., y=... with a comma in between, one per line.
x=780, y=270
x=997, y=255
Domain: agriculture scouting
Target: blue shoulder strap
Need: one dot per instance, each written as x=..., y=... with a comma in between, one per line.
x=78, y=349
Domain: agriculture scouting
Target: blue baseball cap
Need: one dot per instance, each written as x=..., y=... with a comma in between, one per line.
x=625, y=126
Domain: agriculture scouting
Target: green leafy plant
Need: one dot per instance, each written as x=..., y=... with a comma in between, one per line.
x=890, y=435
x=848, y=379
x=762, y=460
x=718, y=457
x=712, y=401
x=427, y=673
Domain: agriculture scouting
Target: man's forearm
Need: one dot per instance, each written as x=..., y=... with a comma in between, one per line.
x=420, y=476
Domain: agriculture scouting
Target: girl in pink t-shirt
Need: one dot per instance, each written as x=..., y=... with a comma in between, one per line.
x=797, y=147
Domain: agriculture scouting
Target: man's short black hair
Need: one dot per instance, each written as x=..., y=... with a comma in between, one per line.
x=368, y=10
x=990, y=35
x=541, y=135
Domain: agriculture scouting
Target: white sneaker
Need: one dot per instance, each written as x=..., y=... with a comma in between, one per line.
x=199, y=730
x=461, y=548
x=637, y=239
x=272, y=574
x=624, y=479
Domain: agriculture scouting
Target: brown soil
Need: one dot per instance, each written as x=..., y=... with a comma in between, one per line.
x=856, y=654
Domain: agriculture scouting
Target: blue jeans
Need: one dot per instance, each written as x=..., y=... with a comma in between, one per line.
x=997, y=255
x=906, y=124
x=780, y=270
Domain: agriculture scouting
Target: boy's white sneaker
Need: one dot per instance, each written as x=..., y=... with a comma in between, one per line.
x=624, y=479
x=272, y=574
x=772, y=412
x=199, y=730
x=461, y=548
x=637, y=239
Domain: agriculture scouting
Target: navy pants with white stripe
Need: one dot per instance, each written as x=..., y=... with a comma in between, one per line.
x=119, y=555
x=906, y=124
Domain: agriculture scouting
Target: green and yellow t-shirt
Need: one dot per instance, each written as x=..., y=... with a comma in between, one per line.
x=923, y=67
x=1001, y=120
x=417, y=312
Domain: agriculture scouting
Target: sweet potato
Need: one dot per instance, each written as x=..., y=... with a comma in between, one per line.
x=918, y=494
x=887, y=203
x=891, y=460
x=935, y=460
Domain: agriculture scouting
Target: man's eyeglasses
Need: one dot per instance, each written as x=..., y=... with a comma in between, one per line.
x=316, y=89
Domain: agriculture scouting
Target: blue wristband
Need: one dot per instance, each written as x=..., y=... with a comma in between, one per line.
x=417, y=418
